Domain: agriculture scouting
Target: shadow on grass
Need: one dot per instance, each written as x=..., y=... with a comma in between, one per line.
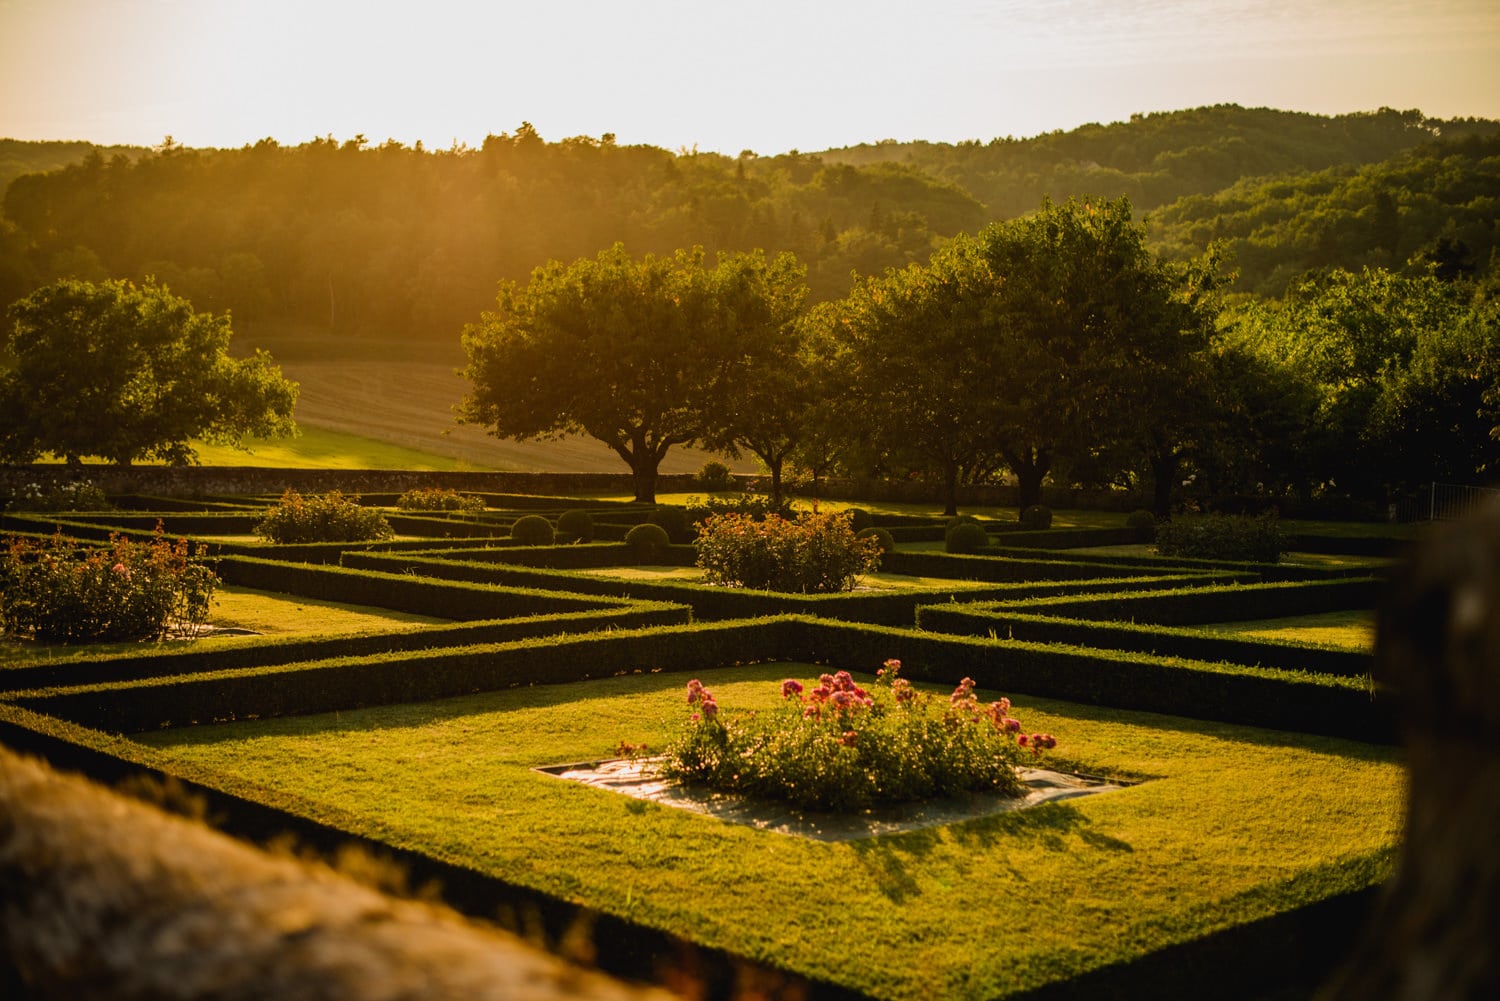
x=892, y=864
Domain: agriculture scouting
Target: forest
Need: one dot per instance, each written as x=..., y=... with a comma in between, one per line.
x=1341, y=270
x=384, y=240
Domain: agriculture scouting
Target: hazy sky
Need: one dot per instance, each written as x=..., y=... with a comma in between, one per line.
x=768, y=76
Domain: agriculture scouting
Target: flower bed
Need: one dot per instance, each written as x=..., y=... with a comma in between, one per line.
x=840, y=748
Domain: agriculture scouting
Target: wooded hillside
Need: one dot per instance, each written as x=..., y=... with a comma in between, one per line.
x=391, y=241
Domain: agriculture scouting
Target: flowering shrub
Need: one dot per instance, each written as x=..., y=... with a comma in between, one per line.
x=55, y=591
x=838, y=747
x=329, y=517
x=78, y=495
x=817, y=553
x=439, y=499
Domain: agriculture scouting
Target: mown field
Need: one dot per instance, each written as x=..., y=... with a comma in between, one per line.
x=399, y=395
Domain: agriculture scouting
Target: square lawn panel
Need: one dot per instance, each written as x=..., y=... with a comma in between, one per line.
x=1232, y=824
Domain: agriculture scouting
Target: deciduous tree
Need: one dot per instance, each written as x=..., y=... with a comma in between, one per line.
x=128, y=372
x=637, y=353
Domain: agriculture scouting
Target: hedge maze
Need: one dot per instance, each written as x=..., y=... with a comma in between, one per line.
x=568, y=648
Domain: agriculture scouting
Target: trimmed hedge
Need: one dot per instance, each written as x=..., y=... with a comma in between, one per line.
x=201, y=657
x=1026, y=566
x=1279, y=700
x=461, y=601
x=1202, y=605
x=1284, y=700
x=1166, y=641
x=713, y=603
x=410, y=676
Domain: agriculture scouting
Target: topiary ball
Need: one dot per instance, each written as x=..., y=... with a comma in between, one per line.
x=966, y=537
x=674, y=521
x=1037, y=517
x=1142, y=523
x=647, y=542
x=961, y=519
x=575, y=526
x=860, y=519
x=532, y=530
x=880, y=535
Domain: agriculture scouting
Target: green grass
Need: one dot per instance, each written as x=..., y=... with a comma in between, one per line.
x=266, y=613
x=1234, y=824
x=1348, y=630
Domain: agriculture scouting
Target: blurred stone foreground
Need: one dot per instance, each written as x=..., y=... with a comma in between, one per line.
x=1436, y=934
x=105, y=897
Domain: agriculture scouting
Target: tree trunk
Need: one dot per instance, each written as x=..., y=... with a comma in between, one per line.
x=1030, y=468
x=950, y=489
x=1164, y=465
x=643, y=466
x=775, y=468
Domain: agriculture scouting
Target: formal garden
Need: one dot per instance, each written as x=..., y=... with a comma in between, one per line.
x=831, y=722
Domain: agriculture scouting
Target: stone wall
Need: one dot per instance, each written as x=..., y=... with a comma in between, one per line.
x=199, y=481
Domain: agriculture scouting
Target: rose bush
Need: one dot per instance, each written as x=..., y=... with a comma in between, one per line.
x=816, y=554
x=57, y=590
x=841, y=748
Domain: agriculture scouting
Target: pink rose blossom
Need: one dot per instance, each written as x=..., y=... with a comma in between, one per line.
x=790, y=687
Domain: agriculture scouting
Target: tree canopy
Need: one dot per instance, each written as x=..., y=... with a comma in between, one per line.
x=639, y=353
x=124, y=373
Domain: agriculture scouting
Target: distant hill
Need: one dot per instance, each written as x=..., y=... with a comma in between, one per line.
x=395, y=242
x=1157, y=158
x=1437, y=206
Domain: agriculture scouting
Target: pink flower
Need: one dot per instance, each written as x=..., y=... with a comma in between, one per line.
x=1010, y=725
x=695, y=717
x=710, y=707
x=821, y=692
x=694, y=691
x=843, y=681
x=850, y=738
x=1023, y=740
x=790, y=687
x=893, y=665
x=118, y=568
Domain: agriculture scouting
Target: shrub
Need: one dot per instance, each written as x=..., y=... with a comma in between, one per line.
x=77, y=495
x=756, y=506
x=55, y=591
x=1037, y=517
x=966, y=537
x=439, y=499
x=330, y=517
x=840, y=748
x=1222, y=537
x=716, y=476
x=961, y=519
x=575, y=526
x=1142, y=523
x=532, y=530
x=816, y=554
x=859, y=519
x=880, y=535
x=673, y=521
x=648, y=542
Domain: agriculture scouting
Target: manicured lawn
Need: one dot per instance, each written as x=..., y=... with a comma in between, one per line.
x=1233, y=824
x=266, y=613
x=1350, y=630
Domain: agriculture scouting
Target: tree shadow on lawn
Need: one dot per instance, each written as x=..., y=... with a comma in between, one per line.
x=892, y=861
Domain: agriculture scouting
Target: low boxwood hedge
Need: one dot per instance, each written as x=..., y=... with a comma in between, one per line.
x=459, y=600
x=1166, y=641
x=1194, y=606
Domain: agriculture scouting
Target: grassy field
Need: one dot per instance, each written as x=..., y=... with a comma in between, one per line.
x=402, y=394
x=1232, y=824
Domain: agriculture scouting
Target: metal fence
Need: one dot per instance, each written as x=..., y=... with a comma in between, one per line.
x=1441, y=501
